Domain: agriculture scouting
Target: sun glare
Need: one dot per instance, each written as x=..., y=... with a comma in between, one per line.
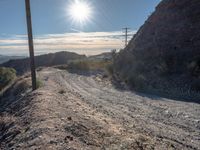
x=80, y=11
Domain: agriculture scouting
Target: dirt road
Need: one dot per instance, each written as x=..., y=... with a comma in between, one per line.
x=74, y=111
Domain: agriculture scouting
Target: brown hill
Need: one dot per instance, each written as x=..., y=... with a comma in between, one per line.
x=164, y=55
x=52, y=59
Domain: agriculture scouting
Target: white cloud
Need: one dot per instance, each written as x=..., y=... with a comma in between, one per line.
x=85, y=43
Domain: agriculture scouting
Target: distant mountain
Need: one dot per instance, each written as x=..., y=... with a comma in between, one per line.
x=164, y=55
x=52, y=59
x=4, y=59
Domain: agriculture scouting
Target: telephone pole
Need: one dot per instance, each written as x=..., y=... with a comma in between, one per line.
x=30, y=41
x=126, y=31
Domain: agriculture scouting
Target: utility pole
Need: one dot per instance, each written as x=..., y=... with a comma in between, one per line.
x=126, y=31
x=30, y=41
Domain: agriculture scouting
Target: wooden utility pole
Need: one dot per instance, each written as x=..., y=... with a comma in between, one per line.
x=126, y=35
x=30, y=41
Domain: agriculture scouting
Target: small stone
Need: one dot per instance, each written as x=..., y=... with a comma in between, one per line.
x=69, y=138
x=69, y=118
x=53, y=142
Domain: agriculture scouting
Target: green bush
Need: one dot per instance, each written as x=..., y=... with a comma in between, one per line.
x=38, y=83
x=89, y=65
x=79, y=65
x=6, y=76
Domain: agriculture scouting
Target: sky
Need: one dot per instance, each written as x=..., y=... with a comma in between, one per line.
x=55, y=29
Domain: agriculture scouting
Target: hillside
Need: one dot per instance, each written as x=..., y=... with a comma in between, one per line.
x=52, y=59
x=4, y=59
x=164, y=56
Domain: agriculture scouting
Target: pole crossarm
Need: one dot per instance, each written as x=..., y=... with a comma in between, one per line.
x=126, y=31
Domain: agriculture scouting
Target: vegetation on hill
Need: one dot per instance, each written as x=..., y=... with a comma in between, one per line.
x=6, y=76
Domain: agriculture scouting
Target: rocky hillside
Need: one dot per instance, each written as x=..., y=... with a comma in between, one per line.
x=164, y=55
x=52, y=59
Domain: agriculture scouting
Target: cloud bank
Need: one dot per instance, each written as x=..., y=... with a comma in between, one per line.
x=89, y=43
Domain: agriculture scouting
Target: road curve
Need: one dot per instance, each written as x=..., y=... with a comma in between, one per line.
x=165, y=123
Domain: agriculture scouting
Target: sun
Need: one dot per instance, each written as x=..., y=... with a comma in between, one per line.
x=80, y=11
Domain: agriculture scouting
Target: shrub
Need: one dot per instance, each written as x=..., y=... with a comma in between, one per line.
x=79, y=65
x=21, y=87
x=38, y=83
x=6, y=76
x=109, y=69
x=136, y=81
x=89, y=65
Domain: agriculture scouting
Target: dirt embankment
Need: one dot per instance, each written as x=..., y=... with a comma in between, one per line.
x=72, y=111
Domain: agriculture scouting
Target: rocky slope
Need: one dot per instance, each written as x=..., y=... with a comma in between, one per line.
x=52, y=59
x=164, y=55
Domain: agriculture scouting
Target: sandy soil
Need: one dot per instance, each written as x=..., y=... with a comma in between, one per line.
x=74, y=112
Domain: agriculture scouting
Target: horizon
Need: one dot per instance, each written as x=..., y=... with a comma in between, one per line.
x=55, y=29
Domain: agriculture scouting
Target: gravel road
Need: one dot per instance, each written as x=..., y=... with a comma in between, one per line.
x=73, y=111
x=162, y=122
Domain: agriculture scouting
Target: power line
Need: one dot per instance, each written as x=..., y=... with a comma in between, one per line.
x=30, y=41
x=126, y=31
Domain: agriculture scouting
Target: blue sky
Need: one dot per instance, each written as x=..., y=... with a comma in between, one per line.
x=54, y=30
